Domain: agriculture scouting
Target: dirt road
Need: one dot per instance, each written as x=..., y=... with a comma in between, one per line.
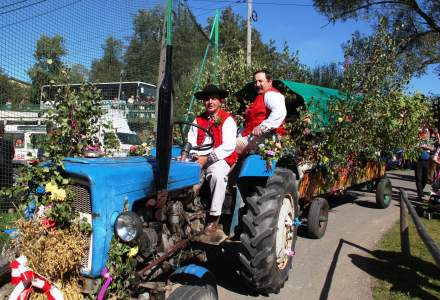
x=333, y=267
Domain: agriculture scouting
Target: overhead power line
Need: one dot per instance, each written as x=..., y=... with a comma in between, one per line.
x=256, y=2
x=40, y=15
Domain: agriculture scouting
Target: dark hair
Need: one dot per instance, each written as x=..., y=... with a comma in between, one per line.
x=266, y=72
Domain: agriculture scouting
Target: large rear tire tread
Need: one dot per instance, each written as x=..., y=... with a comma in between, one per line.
x=258, y=262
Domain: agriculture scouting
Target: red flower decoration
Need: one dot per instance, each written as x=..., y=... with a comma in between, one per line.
x=47, y=223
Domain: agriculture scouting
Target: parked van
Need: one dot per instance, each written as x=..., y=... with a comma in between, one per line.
x=125, y=135
x=25, y=139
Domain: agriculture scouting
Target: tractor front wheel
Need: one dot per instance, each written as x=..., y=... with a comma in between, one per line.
x=193, y=292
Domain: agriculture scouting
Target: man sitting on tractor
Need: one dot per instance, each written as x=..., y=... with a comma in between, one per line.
x=265, y=115
x=218, y=160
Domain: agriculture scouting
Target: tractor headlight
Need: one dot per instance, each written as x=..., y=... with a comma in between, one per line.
x=128, y=226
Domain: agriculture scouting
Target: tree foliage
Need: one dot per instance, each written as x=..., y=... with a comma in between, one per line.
x=48, y=67
x=328, y=75
x=78, y=73
x=143, y=52
x=416, y=22
x=375, y=118
x=109, y=67
x=11, y=91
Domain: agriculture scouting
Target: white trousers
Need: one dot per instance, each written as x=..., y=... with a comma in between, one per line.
x=217, y=175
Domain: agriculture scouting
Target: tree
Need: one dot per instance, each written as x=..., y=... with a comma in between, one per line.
x=48, y=68
x=233, y=37
x=187, y=52
x=109, y=67
x=143, y=52
x=78, y=73
x=11, y=90
x=327, y=75
x=287, y=66
x=416, y=23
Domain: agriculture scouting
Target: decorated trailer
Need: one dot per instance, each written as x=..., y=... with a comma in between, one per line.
x=314, y=184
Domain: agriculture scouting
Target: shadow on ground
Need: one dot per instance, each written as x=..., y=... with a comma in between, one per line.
x=407, y=277
x=223, y=262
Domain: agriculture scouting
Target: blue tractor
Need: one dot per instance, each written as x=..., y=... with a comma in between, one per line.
x=149, y=202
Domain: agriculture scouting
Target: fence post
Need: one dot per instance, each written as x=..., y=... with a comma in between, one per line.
x=404, y=231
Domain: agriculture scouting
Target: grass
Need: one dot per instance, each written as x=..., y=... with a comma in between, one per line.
x=396, y=278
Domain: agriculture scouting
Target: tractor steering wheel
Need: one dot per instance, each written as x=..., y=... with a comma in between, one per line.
x=183, y=141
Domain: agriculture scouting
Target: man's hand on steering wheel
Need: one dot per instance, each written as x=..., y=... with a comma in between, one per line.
x=187, y=147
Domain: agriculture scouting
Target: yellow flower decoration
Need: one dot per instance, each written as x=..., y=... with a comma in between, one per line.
x=325, y=159
x=133, y=251
x=55, y=192
x=50, y=187
x=58, y=194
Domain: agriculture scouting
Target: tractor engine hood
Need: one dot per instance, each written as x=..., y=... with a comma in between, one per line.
x=104, y=186
x=131, y=176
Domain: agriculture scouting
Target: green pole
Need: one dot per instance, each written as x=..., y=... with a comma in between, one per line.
x=169, y=20
x=202, y=67
x=216, y=79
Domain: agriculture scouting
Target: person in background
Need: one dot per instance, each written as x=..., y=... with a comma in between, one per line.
x=422, y=164
x=433, y=162
x=265, y=115
x=6, y=157
x=131, y=100
x=217, y=161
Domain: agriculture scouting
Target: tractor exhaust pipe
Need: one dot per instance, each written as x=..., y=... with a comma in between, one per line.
x=164, y=130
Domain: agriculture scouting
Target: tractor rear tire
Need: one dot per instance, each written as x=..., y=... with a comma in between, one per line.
x=269, y=235
x=384, y=192
x=317, y=218
x=193, y=292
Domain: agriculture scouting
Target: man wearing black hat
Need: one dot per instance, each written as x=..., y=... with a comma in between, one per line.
x=218, y=160
x=6, y=156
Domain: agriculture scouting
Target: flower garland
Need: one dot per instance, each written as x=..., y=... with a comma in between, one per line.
x=139, y=150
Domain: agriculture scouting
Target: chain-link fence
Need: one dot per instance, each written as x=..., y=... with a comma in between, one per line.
x=48, y=46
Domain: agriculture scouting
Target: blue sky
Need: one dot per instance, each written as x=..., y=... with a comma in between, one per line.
x=85, y=24
x=304, y=29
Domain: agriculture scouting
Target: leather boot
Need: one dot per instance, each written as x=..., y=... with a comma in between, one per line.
x=212, y=234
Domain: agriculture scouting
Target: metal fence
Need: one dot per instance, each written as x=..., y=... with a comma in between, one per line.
x=114, y=44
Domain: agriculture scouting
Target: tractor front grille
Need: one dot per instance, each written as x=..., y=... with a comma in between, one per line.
x=82, y=203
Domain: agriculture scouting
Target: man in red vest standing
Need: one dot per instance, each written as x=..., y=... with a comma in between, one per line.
x=218, y=160
x=264, y=115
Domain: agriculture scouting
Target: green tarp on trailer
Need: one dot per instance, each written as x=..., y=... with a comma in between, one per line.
x=313, y=96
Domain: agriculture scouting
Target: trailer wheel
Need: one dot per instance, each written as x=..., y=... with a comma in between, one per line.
x=384, y=192
x=317, y=218
x=193, y=292
x=268, y=233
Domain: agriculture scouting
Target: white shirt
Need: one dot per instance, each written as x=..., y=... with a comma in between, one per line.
x=229, y=134
x=277, y=105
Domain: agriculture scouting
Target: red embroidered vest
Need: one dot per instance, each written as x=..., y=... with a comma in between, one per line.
x=216, y=131
x=257, y=112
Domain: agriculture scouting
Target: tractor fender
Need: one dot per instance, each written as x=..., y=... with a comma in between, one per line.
x=194, y=275
x=254, y=166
